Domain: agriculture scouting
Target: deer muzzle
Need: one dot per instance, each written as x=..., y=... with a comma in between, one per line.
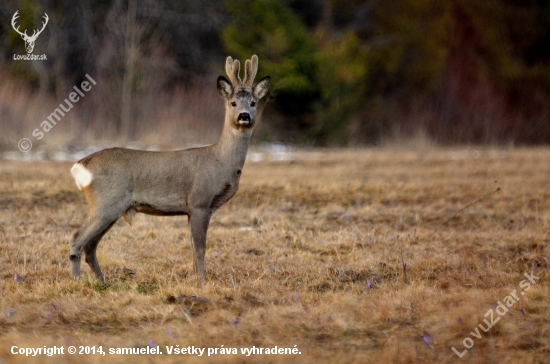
x=244, y=118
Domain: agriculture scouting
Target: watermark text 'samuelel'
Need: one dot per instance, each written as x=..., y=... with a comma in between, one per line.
x=25, y=144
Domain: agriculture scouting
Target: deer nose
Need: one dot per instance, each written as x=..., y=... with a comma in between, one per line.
x=244, y=116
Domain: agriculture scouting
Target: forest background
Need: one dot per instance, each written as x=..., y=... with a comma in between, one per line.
x=345, y=73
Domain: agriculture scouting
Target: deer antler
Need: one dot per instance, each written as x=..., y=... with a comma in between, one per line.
x=250, y=70
x=232, y=67
x=13, y=19
x=43, y=25
x=36, y=33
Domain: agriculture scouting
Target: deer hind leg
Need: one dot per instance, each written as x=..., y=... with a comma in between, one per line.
x=105, y=212
x=86, y=239
x=90, y=253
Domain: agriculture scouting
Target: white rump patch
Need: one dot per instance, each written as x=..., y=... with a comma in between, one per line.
x=81, y=175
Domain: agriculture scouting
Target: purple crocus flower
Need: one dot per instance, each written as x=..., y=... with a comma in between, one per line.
x=427, y=339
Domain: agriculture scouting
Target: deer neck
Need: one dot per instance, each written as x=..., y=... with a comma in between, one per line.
x=233, y=145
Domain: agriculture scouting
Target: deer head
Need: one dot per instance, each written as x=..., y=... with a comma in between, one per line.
x=29, y=40
x=242, y=95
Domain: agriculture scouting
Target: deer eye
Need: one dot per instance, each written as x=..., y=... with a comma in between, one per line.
x=252, y=104
x=233, y=104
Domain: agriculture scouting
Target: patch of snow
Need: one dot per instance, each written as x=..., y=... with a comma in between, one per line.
x=278, y=152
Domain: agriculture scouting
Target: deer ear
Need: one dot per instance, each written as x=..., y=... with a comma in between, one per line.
x=225, y=89
x=261, y=88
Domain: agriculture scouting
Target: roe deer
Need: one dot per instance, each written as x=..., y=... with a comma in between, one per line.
x=194, y=182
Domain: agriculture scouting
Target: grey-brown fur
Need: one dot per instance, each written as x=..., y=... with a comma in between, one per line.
x=193, y=182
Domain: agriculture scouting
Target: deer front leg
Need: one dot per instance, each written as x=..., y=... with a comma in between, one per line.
x=198, y=221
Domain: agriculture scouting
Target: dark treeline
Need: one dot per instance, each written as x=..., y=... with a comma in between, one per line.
x=345, y=72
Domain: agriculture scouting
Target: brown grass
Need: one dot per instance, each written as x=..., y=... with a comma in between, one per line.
x=322, y=228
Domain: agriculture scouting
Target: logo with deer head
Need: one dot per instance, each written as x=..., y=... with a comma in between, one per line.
x=29, y=40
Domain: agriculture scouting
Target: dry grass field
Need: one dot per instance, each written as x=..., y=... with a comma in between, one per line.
x=354, y=256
